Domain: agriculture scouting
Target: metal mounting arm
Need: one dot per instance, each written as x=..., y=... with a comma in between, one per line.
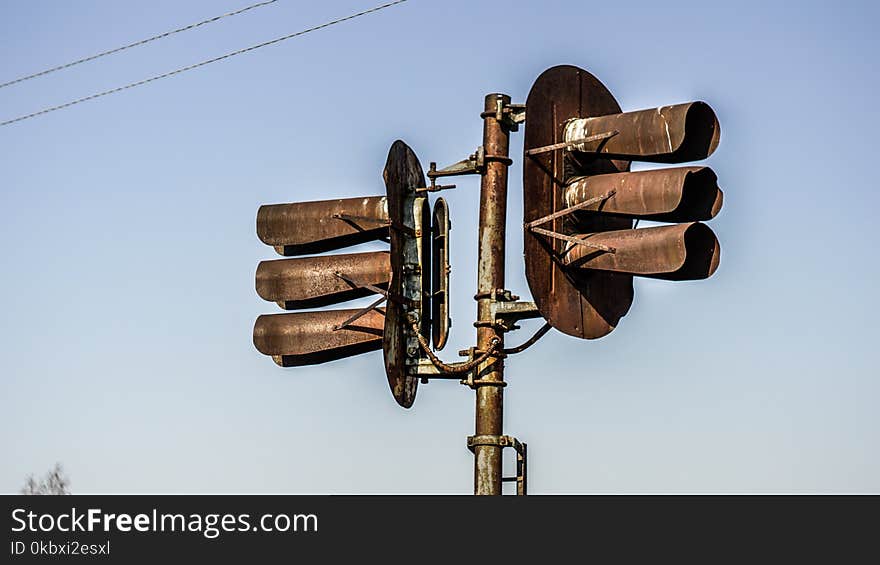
x=475, y=164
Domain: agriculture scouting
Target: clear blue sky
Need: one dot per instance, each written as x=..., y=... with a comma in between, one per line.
x=129, y=249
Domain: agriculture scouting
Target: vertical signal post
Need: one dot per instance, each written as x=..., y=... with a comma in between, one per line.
x=489, y=381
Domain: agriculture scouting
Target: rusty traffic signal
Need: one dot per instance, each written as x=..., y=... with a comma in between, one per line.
x=583, y=246
x=580, y=200
x=400, y=277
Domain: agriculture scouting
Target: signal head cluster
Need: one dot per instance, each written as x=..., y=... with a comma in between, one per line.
x=400, y=277
x=580, y=199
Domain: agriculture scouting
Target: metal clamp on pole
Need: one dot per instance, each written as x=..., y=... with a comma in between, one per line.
x=511, y=115
x=500, y=294
x=521, y=457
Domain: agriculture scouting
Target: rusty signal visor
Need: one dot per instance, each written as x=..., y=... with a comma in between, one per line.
x=313, y=227
x=679, y=194
x=677, y=252
x=440, y=268
x=668, y=134
x=311, y=282
x=309, y=338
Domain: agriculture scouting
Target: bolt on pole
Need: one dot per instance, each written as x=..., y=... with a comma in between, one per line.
x=490, y=276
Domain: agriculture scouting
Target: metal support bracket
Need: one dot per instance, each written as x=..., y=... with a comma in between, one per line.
x=434, y=187
x=510, y=115
x=354, y=283
x=585, y=204
x=362, y=312
x=505, y=314
x=574, y=240
x=354, y=219
x=521, y=457
x=513, y=115
x=426, y=369
x=475, y=164
x=434, y=367
x=572, y=143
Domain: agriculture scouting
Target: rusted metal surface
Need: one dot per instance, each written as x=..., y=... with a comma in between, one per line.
x=308, y=338
x=440, y=321
x=311, y=282
x=490, y=277
x=314, y=227
x=410, y=267
x=559, y=94
x=680, y=194
x=581, y=260
x=668, y=134
x=475, y=442
x=676, y=252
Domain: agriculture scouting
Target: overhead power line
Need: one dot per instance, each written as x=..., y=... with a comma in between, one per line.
x=135, y=44
x=197, y=65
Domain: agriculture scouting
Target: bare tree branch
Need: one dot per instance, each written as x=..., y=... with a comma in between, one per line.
x=54, y=482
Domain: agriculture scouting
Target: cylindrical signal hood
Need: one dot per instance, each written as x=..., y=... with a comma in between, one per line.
x=677, y=252
x=301, y=228
x=668, y=134
x=680, y=194
x=312, y=282
x=308, y=338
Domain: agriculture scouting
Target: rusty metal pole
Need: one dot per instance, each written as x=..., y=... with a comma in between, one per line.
x=490, y=276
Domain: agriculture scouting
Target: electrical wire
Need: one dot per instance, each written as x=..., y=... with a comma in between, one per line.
x=197, y=65
x=135, y=44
